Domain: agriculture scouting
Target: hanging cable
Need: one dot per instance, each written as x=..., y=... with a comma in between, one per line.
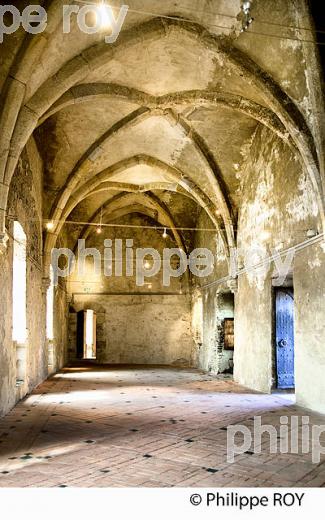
x=99, y=228
x=267, y=261
x=217, y=26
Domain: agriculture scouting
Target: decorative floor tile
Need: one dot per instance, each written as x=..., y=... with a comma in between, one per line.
x=145, y=426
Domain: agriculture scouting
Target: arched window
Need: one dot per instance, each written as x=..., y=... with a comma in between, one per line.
x=90, y=335
x=19, y=286
x=50, y=309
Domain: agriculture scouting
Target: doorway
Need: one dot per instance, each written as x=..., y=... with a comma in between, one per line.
x=86, y=334
x=226, y=333
x=284, y=338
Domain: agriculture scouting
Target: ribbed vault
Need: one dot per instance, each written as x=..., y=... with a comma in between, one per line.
x=250, y=92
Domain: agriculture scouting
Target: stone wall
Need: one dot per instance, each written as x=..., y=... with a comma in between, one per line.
x=278, y=207
x=135, y=324
x=7, y=357
x=61, y=324
x=253, y=336
x=210, y=306
x=310, y=327
x=25, y=205
x=138, y=329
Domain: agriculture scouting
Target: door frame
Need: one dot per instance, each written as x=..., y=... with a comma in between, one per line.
x=288, y=285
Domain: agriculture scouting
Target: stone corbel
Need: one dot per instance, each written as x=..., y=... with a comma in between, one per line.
x=233, y=285
x=69, y=299
x=4, y=237
x=46, y=282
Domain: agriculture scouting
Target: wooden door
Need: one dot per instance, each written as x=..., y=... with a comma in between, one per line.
x=284, y=337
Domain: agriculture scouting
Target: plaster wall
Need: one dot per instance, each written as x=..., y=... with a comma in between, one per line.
x=278, y=207
x=211, y=305
x=139, y=329
x=310, y=328
x=25, y=205
x=148, y=324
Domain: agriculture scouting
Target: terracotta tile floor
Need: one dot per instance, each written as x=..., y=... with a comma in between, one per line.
x=144, y=426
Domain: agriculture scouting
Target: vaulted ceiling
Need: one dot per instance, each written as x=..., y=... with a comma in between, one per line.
x=160, y=122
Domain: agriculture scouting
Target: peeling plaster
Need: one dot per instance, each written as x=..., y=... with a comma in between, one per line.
x=305, y=203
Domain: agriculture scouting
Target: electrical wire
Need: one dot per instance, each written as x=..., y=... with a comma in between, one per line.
x=131, y=226
x=212, y=13
x=250, y=31
x=267, y=261
x=136, y=226
x=32, y=259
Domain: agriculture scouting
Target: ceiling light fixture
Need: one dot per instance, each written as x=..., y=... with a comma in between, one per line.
x=246, y=14
x=99, y=229
x=103, y=16
x=50, y=225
